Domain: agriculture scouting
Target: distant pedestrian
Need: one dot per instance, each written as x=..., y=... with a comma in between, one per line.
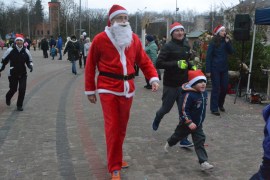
x=17, y=56
x=264, y=171
x=73, y=50
x=45, y=47
x=151, y=50
x=59, y=46
x=28, y=42
x=52, y=42
x=193, y=105
x=86, y=49
x=81, y=42
x=34, y=44
x=53, y=52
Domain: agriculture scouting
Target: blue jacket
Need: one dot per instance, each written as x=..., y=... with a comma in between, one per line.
x=266, y=142
x=264, y=171
x=59, y=43
x=193, y=105
x=217, y=57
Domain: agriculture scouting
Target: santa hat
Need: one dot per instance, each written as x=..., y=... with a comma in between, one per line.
x=114, y=11
x=218, y=28
x=175, y=26
x=194, y=76
x=19, y=37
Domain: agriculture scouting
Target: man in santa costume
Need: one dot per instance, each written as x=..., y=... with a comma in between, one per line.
x=114, y=52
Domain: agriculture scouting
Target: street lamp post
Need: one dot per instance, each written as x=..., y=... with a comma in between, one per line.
x=139, y=11
x=176, y=9
x=28, y=24
x=80, y=19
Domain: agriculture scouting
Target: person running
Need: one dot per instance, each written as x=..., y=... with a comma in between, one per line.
x=17, y=56
x=193, y=105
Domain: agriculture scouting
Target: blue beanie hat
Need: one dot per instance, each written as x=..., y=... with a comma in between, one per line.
x=149, y=38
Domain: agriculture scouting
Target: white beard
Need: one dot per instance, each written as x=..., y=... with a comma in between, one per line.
x=122, y=34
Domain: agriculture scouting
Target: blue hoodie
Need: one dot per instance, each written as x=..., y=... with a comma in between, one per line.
x=193, y=105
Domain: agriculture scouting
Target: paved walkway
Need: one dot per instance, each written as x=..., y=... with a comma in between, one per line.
x=59, y=135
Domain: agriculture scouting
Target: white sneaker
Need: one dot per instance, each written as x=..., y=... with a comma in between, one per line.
x=206, y=166
x=166, y=147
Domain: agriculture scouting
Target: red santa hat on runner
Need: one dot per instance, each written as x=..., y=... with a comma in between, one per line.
x=114, y=11
x=218, y=29
x=19, y=37
x=195, y=76
x=176, y=25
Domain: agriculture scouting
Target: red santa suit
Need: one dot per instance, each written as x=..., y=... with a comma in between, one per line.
x=115, y=85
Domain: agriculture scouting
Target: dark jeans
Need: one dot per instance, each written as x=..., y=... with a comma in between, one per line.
x=198, y=138
x=80, y=60
x=219, y=89
x=45, y=53
x=60, y=53
x=169, y=97
x=13, y=87
x=84, y=61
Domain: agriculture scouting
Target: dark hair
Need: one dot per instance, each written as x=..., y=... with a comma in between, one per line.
x=73, y=37
x=217, y=40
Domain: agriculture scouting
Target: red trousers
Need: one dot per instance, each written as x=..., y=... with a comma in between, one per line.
x=116, y=114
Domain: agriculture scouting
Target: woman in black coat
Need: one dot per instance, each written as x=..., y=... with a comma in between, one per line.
x=73, y=49
x=45, y=47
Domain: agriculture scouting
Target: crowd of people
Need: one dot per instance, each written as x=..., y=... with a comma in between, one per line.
x=115, y=53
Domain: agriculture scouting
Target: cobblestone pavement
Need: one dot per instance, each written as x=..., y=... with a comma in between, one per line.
x=59, y=135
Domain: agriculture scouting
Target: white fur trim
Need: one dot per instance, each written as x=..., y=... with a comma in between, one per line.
x=154, y=79
x=115, y=13
x=89, y=92
x=176, y=27
x=19, y=38
x=192, y=81
x=222, y=27
x=128, y=95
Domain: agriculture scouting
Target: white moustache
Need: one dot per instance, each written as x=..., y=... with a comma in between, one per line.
x=123, y=24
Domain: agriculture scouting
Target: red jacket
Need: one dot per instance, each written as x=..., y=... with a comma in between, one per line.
x=108, y=57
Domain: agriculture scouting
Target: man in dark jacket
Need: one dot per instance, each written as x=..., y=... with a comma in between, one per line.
x=17, y=56
x=45, y=47
x=73, y=49
x=52, y=42
x=173, y=58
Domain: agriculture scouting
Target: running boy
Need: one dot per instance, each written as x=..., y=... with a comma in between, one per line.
x=193, y=103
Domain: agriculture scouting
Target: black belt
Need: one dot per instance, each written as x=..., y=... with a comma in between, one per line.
x=117, y=76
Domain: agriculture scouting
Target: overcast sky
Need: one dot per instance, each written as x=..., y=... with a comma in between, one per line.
x=150, y=5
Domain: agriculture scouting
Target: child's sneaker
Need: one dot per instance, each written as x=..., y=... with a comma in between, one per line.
x=116, y=175
x=205, y=166
x=166, y=147
x=185, y=143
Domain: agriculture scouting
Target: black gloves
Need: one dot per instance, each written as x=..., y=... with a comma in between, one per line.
x=31, y=68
